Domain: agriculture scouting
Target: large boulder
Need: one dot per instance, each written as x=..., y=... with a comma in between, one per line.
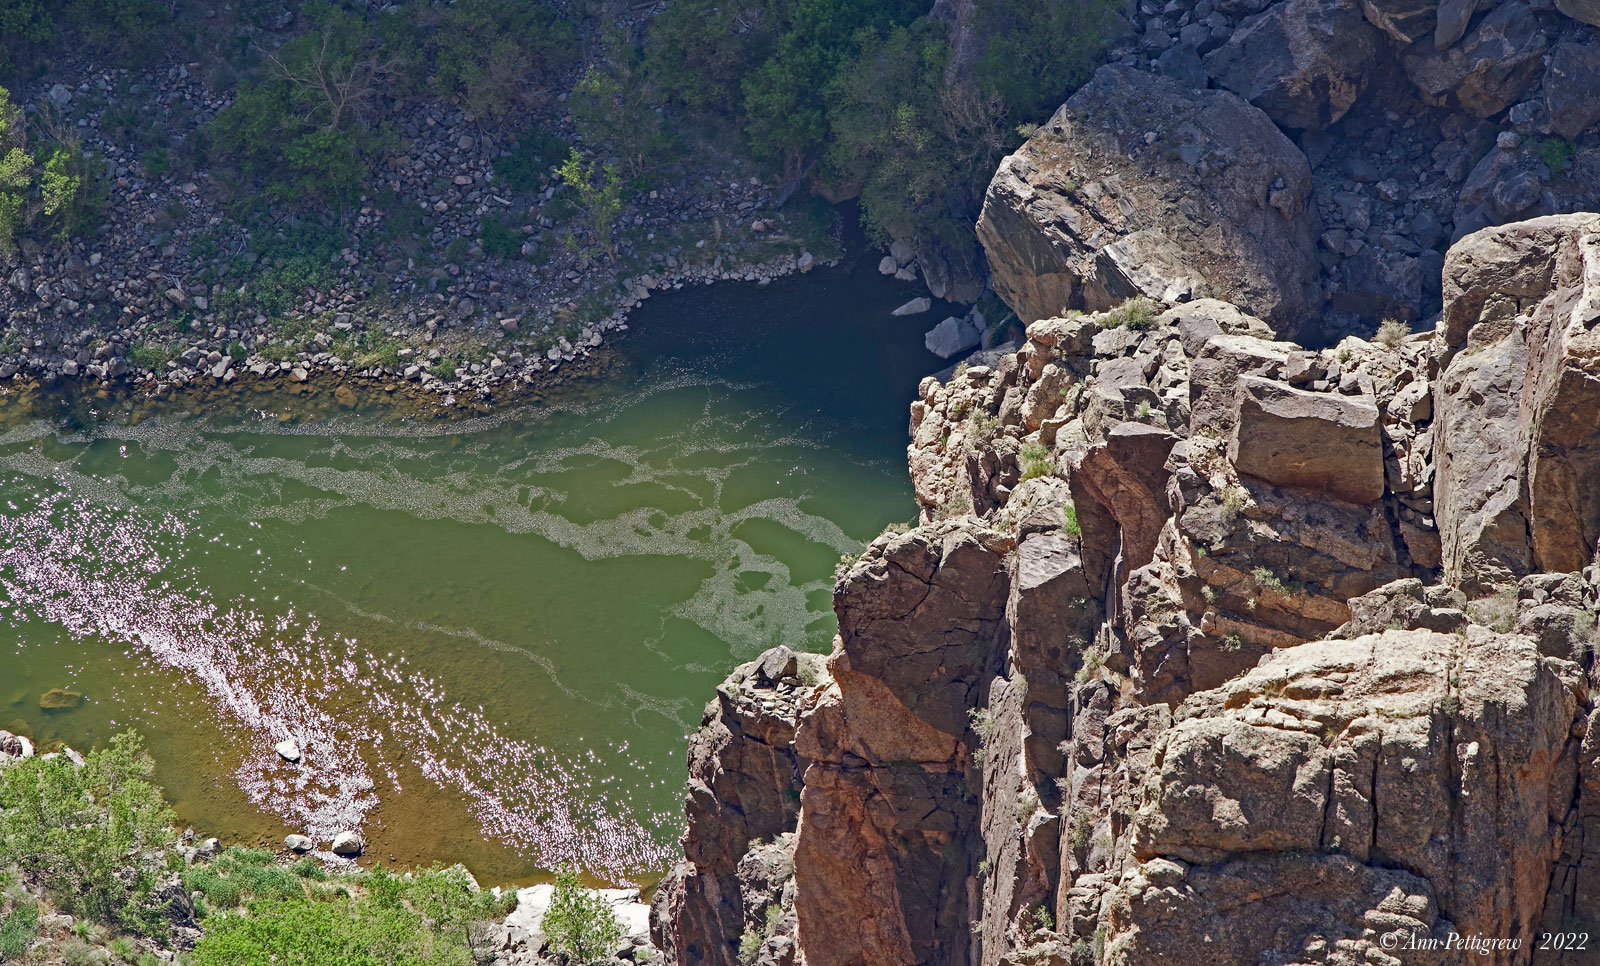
x=1572, y=88
x=1139, y=185
x=1304, y=62
x=952, y=337
x=1317, y=441
x=1517, y=488
x=1490, y=69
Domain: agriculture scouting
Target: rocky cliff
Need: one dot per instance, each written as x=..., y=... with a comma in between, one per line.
x=1208, y=646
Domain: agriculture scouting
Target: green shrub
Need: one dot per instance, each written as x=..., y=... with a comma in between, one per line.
x=1391, y=333
x=499, y=240
x=17, y=929
x=1137, y=313
x=1069, y=520
x=1556, y=153
x=529, y=163
x=580, y=923
x=156, y=162
x=1036, y=460
x=425, y=919
x=96, y=837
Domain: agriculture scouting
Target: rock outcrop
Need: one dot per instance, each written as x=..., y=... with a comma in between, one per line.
x=1518, y=486
x=1386, y=129
x=1206, y=645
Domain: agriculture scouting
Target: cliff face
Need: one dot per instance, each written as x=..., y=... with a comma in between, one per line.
x=1207, y=644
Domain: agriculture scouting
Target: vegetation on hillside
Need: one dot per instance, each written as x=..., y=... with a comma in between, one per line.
x=55, y=190
x=866, y=94
x=860, y=95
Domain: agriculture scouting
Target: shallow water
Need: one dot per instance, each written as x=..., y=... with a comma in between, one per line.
x=492, y=634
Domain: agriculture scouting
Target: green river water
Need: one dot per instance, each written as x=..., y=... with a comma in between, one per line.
x=490, y=634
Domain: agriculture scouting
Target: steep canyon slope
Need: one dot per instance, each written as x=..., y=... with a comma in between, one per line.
x=1205, y=641
x=1209, y=644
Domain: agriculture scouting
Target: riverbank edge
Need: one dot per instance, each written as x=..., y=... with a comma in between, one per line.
x=468, y=391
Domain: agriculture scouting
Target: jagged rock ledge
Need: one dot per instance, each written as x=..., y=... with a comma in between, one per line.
x=1205, y=641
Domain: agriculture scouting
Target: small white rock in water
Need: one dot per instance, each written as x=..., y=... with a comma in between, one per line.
x=348, y=844
x=288, y=749
x=916, y=306
x=298, y=843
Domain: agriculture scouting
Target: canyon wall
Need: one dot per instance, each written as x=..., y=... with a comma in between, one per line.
x=1210, y=645
x=1205, y=641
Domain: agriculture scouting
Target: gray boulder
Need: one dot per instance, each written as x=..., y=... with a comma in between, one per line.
x=348, y=844
x=1491, y=69
x=1141, y=186
x=1572, y=88
x=1304, y=62
x=952, y=336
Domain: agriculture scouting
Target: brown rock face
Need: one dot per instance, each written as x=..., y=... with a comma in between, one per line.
x=1210, y=648
x=1317, y=441
x=744, y=787
x=1349, y=761
x=1518, y=484
x=885, y=830
x=1086, y=213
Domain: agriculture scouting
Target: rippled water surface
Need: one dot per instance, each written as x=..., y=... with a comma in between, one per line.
x=491, y=635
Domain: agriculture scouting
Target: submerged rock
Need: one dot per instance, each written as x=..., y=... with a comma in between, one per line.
x=60, y=699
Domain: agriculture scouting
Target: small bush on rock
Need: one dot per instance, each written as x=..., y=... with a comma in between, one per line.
x=96, y=836
x=1391, y=333
x=579, y=922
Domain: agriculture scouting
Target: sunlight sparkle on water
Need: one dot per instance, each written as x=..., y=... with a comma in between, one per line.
x=99, y=573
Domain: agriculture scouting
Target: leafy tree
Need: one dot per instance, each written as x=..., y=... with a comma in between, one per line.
x=22, y=22
x=95, y=836
x=580, y=923
x=306, y=129
x=611, y=103
x=490, y=52
x=72, y=189
x=699, y=51
x=1039, y=51
x=599, y=194
x=886, y=131
x=16, y=174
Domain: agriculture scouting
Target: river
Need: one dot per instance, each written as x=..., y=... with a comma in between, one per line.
x=490, y=634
